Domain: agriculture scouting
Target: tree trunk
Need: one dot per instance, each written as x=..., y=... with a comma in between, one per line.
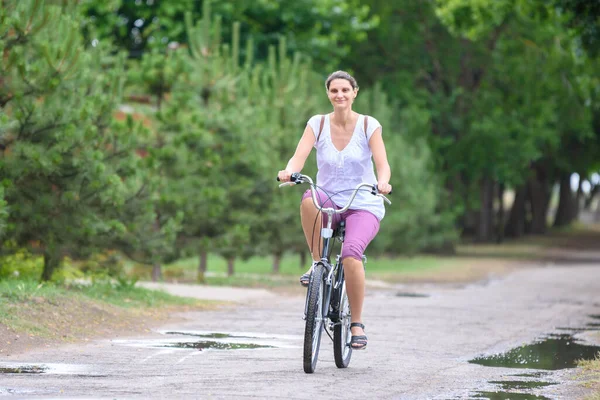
x=302, y=259
x=51, y=264
x=276, y=263
x=230, y=266
x=486, y=212
x=565, y=202
x=577, y=203
x=202, y=266
x=590, y=198
x=515, y=227
x=539, y=196
x=500, y=217
x=156, y=272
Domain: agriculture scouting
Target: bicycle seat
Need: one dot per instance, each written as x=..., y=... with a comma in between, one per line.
x=339, y=232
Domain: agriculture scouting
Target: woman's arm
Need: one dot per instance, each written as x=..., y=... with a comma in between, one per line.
x=382, y=166
x=297, y=161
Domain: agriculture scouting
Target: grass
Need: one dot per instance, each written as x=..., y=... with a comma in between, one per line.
x=472, y=262
x=258, y=271
x=126, y=296
x=590, y=373
x=59, y=311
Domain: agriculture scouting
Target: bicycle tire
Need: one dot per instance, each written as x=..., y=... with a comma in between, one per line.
x=342, y=352
x=314, y=319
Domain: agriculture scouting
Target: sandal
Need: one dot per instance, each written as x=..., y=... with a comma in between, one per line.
x=358, y=342
x=305, y=279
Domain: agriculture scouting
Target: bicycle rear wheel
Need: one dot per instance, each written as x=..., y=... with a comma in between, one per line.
x=314, y=318
x=342, y=352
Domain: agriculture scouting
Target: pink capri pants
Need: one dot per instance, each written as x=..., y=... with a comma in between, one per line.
x=361, y=226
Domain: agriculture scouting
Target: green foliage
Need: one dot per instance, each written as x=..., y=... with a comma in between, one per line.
x=475, y=18
x=467, y=91
x=20, y=265
x=19, y=291
x=71, y=170
x=3, y=213
x=124, y=295
x=325, y=29
x=505, y=86
x=417, y=219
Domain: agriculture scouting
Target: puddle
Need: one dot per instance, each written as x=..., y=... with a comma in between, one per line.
x=23, y=369
x=214, y=335
x=234, y=335
x=217, y=341
x=207, y=335
x=52, y=368
x=12, y=391
x=588, y=328
x=539, y=374
x=408, y=294
x=508, y=396
x=208, y=345
x=552, y=353
x=521, y=385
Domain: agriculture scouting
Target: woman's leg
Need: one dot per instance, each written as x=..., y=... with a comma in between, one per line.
x=312, y=221
x=361, y=228
x=311, y=225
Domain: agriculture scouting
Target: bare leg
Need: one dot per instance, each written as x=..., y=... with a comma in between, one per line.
x=355, y=286
x=312, y=229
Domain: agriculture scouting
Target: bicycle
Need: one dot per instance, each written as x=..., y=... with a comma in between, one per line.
x=326, y=297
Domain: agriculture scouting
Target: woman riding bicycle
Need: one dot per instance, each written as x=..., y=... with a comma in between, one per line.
x=345, y=142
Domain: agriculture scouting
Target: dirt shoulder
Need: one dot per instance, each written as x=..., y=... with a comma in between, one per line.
x=45, y=323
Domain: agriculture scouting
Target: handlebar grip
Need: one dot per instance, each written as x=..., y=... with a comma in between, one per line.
x=376, y=191
x=295, y=176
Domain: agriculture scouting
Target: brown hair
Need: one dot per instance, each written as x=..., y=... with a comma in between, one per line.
x=341, y=75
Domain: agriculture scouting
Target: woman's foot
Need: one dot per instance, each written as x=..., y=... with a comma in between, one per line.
x=305, y=278
x=358, y=340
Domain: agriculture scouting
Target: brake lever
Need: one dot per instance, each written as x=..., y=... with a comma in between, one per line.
x=375, y=192
x=288, y=184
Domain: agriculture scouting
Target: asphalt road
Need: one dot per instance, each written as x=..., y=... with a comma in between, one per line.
x=421, y=339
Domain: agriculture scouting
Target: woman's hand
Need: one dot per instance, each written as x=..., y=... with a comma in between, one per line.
x=284, y=175
x=384, y=187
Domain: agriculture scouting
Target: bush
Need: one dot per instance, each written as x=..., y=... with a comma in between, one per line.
x=22, y=265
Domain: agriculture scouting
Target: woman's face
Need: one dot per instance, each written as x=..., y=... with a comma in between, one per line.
x=341, y=93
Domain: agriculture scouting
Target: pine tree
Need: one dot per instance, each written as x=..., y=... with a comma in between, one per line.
x=71, y=171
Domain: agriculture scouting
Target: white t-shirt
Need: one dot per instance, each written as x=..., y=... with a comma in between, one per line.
x=341, y=171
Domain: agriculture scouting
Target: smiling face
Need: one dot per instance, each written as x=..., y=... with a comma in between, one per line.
x=341, y=93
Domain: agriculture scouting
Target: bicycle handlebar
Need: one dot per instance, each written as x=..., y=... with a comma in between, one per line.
x=297, y=178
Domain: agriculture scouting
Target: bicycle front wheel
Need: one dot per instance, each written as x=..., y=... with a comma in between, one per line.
x=342, y=351
x=314, y=318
